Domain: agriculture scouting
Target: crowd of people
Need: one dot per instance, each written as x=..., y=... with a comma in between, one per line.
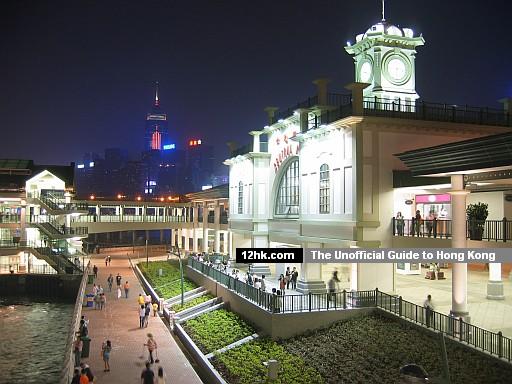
x=82, y=371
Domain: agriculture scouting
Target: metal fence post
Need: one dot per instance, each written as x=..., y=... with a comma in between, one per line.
x=400, y=306
x=460, y=328
x=344, y=299
x=376, y=295
x=309, y=299
x=500, y=344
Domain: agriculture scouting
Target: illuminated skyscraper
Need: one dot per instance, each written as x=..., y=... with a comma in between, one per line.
x=156, y=126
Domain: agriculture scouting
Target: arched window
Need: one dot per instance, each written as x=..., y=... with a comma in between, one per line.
x=325, y=206
x=288, y=192
x=240, y=198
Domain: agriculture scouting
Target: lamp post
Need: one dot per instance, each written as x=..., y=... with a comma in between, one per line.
x=147, y=256
x=181, y=275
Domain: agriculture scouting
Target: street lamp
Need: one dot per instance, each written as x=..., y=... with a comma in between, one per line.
x=147, y=255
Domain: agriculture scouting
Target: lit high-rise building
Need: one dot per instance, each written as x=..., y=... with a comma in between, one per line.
x=156, y=126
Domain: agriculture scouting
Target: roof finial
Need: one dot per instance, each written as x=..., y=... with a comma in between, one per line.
x=157, y=102
x=383, y=9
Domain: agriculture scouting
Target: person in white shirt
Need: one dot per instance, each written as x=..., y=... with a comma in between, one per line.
x=263, y=285
x=429, y=310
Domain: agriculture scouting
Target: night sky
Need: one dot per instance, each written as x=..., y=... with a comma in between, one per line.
x=77, y=76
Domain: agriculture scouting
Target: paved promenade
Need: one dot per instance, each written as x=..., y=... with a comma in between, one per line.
x=119, y=322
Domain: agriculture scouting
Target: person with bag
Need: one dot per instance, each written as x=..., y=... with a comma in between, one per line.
x=77, y=350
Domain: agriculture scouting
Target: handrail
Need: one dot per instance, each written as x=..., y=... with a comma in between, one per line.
x=66, y=372
x=490, y=230
x=492, y=342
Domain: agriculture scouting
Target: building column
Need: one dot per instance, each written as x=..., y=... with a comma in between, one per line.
x=259, y=241
x=459, y=270
x=495, y=285
x=216, y=244
x=310, y=275
x=161, y=236
x=134, y=237
x=194, y=240
x=205, y=227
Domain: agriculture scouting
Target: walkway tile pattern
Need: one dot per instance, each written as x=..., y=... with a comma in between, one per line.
x=119, y=322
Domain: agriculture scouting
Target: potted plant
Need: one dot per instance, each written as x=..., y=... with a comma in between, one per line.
x=476, y=214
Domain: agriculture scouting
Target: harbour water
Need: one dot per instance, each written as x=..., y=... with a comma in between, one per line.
x=33, y=334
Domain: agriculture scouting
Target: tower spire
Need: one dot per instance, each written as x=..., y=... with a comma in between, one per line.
x=157, y=102
x=383, y=10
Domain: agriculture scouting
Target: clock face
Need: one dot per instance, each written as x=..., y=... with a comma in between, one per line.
x=397, y=69
x=365, y=72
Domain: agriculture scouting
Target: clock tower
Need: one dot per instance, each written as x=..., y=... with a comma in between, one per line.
x=384, y=57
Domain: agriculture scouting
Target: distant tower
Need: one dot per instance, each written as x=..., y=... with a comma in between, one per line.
x=156, y=126
x=384, y=57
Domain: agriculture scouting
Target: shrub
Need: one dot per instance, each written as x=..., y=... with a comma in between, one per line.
x=191, y=303
x=217, y=329
x=168, y=285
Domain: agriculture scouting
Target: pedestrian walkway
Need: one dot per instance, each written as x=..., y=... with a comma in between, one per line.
x=119, y=322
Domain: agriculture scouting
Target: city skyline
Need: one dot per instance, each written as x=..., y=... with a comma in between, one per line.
x=84, y=73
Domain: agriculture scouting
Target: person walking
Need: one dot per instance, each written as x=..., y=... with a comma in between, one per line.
x=106, y=261
x=110, y=281
x=333, y=285
x=152, y=346
x=76, y=377
x=95, y=271
x=142, y=314
x=119, y=294
x=109, y=260
x=126, y=289
x=83, y=377
x=118, y=279
x=417, y=223
x=155, y=308
x=147, y=376
x=147, y=312
x=77, y=350
x=106, y=348
x=429, y=310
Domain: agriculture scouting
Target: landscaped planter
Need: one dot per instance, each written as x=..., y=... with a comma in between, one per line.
x=169, y=284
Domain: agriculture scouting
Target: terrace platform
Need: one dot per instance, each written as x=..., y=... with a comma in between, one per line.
x=493, y=315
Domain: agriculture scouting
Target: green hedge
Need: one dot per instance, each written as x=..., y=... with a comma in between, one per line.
x=217, y=329
x=168, y=285
x=372, y=349
x=244, y=365
x=191, y=303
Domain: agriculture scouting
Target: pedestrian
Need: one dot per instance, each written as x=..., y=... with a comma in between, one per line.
x=152, y=346
x=155, y=308
x=119, y=294
x=77, y=350
x=100, y=289
x=147, y=376
x=160, y=378
x=76, y=377
x=126, y=289
x=147, y=312
x=83, y=377
x=148, y=299
x=142, y=314
x=110, y=281
x=106, y=261
x=262, y=282
x=400, y=223
x=288, y=277
x=109, y=260
x=94, y=290
x=417, y=223
x=106, y=348
x=103, y=300
x=95, y=270
x=429, y=310
x=141, y=299
x=282, y=283
x=332, y=285
x=295, y=275
x=97, y=301
x=118, y=280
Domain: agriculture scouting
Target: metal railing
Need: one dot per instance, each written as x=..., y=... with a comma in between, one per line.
x=492, y=342
x=490, y=230
x=128, y=219
x=421, y=110
x=56, y=201
x=10, y=219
